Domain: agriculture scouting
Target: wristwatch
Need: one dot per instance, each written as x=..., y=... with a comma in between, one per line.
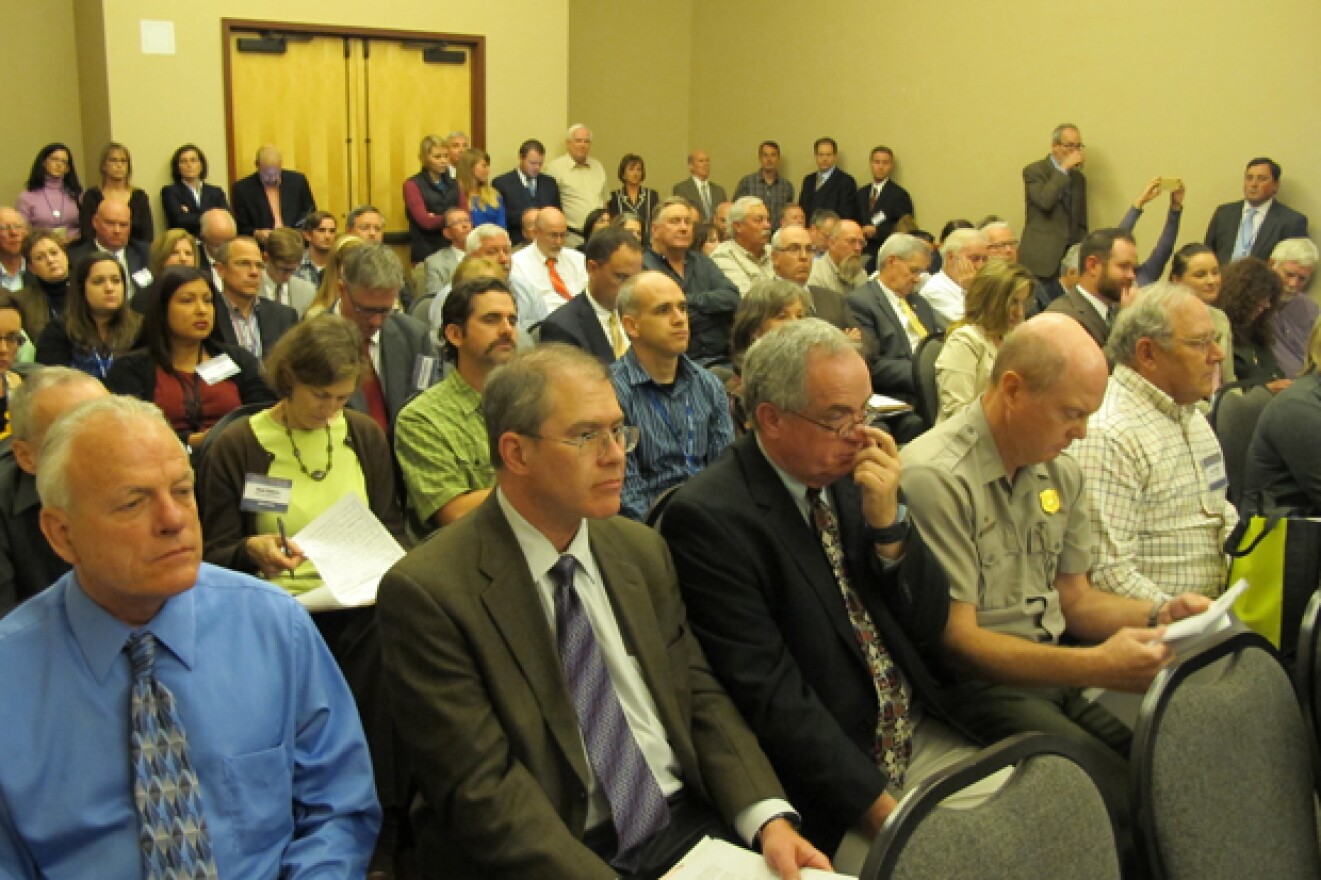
x=1153, y=619
x=894, y=532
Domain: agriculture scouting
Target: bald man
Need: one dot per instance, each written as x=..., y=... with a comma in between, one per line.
x=556, y=273
x=271, y=197
x=111, y=225
x=1007, y=518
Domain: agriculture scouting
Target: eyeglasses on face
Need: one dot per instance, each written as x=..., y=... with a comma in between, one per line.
x=600, y=442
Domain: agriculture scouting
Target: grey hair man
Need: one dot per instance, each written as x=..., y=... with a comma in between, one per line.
x=581, y=178
x=1056, y=197
x=1294, y=260
x=1160, y=526
x=840, y=268
x=963, y=254
x=791, y=257
x=745, y=256
x=154, y=651
x=13, y=229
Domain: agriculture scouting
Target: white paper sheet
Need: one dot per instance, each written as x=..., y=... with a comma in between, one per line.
x=715, y=859
x=351, y=550
x=1211, y=620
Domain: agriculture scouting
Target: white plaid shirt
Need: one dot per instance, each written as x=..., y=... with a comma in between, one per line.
x=1157, y=481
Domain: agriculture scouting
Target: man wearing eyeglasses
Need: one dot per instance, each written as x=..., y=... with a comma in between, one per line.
x=1152, y=466
x=1056, y=204
x=791, y=257
x=243, y=317
x=564, y=719
x=401, y=357
x=812, y=598
x=680, y=408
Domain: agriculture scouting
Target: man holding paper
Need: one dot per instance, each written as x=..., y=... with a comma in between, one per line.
x=1006, y=516
x=563, y=719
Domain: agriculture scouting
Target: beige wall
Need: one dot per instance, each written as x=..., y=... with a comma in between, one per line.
x=42, y=63
x=967, y=94
x=629, y=80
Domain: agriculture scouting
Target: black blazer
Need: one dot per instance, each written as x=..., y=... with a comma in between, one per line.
x=885, y=344
x=511, y=189
x=575, y=323
x=253, y=212
x=273, y=321
x=837, y=195
x=765, y=605
x=1280, y=222
x=183, y=212
x=894, y=201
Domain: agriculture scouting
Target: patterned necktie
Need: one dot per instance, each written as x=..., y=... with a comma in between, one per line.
x=616, y=336
x=1243, y=245
x=913, y=320
x=555, y=280
x=637, y=806
x=894, y=732
x=172, y=835
x=871, y=203
x=705, y=192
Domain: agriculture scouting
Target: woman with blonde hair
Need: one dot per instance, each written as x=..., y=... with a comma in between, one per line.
x=173, y=247
x=117, y=185
x=483, y=202
x=427, y=196
x=327, y=292
x=994, y=305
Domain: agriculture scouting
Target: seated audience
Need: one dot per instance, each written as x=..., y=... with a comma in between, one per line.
x=283, y=252
x=986, y=485
x=791, y=257
x=590, y=320
x=242, y=317
x=745, y=257
x=319, y=232
x=442, y=262
x=13, y=268
x=1152, y=468
x=996, y=300
x=1195, y=266
x=767, y=305
x=962, y=256
x=48, y=266
x=1294, y=260
x=117, y=185
x=184, y=368
x=1107, y=266
x=428, y=197
x=190, y=196
x=440, y=439
x=366, y=222
x=1283, y=471
x=706, y=238
x=840, y=267
x=173, y=247
x=200, y=727
x=110, y=233
x=97, y=325
x=476, y=194
x=28, y=564
x=1250, y=294
x=546, y=268
x=325, y=452
x=678, y=408
x=49, y=201
x=12, y=340
x=799, y=536
x=217, y=230
x=632, y=197
x=489, y=242
x=471, y=622
x=598, y=219
x=1154, y=266
x=327, y=292
x=630, y=222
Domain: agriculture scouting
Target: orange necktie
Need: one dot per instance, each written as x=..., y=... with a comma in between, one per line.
x=556, y=281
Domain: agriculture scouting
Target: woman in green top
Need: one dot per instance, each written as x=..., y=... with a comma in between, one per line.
x=324, y=452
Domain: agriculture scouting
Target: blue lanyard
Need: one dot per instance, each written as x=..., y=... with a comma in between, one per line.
x=689, y=447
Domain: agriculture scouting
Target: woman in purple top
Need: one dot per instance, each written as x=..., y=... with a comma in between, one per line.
x=51, y=198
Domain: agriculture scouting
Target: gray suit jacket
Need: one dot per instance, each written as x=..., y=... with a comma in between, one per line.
x=884, y=340
x=301, y=292
x=688, y=190
x=499, y=757
x=403, y=340
x=1076, y=306
x=1056, y=216
x=1280, y=222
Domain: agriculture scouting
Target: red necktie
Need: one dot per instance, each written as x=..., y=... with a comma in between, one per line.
x=373, y=393
x=556, y=281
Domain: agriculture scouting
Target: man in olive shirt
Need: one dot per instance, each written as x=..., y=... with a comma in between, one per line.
x=1007, y=518
x=440, y=436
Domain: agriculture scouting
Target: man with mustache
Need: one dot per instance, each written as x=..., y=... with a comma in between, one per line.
x=440, y=438
x=840, y=268
x=680, y=408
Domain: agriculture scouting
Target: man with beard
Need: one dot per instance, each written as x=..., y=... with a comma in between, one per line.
x=1108, y=261
x=440, y=437
x=679, y=408
x=1294, y=260
x=744, y=257
x=840, y=269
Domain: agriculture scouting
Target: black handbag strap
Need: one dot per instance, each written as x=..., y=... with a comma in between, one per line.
x=1235, y=538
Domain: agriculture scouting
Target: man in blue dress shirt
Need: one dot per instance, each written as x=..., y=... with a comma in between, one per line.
x=236, y=695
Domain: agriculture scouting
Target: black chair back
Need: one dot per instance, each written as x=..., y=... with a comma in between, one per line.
x=924, y=376
x=1234, y=414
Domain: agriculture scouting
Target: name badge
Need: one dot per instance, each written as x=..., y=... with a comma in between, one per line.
x=217, y=369
x=263, y=494
x=142, y=278
x=878, y=218
x=1214, y=468
x=424, y=372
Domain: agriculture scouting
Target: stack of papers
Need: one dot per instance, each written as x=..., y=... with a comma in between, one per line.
x=1211, y=620
x=715, y=859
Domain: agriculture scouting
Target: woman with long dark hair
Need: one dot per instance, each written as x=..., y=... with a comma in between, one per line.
x=50, y=199
x=97, y=325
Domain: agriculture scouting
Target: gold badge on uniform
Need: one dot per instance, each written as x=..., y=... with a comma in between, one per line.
x=1050, y=501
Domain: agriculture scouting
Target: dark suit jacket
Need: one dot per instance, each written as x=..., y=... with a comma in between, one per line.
x=252, y=211
x=403, y=340
x=768, y=611
x=517, y=200
x=885, y=344
x=837, y=195
x=688, y=190
x=28, y=565
x=894, y=201
x=181, y=212
x=1053, y=222
x=273, y=321
x=498, y=753
x=1076, y=306
x=575, y=323
x=1280, y=222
